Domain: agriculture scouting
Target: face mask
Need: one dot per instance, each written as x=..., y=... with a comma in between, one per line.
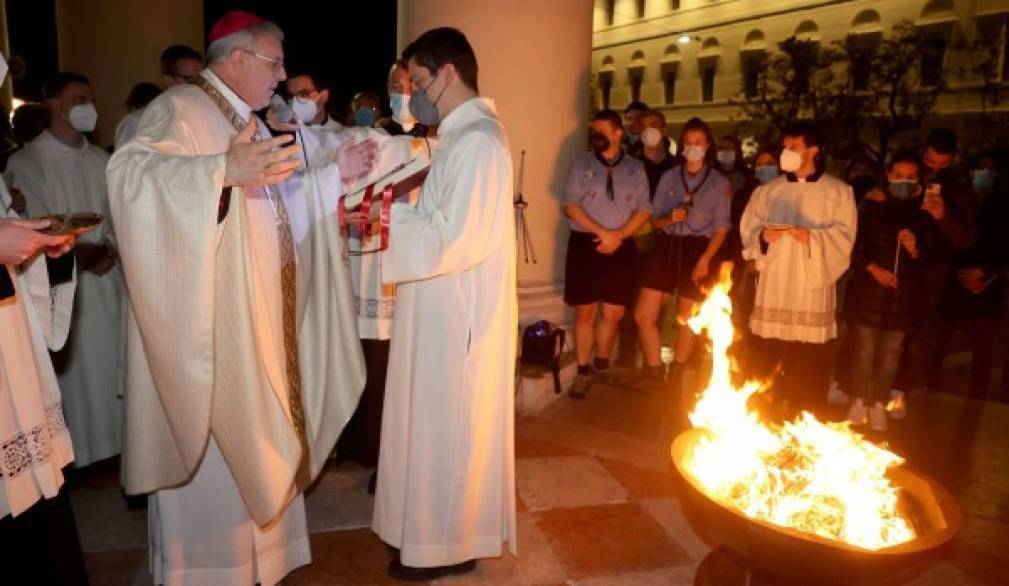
x=982, y=180
x=305, y=110
x=791, y=161
x=83, y=117
x=423, y=109
x=364, y=117
x=651, y=137
x=765, y=173
x=903, y=188
x=694, y=152
x=599, y=142
x=400, y=106
x=726, y=158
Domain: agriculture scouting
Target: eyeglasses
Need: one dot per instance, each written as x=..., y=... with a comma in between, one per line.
x=276, y=62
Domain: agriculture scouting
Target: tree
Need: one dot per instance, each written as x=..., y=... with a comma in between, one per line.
x=886, y=84
x=983, y=56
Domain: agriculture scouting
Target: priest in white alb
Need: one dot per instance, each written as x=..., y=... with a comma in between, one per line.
x=61, y=172
x=446, y=481
x=243, y=363
x=800, y=229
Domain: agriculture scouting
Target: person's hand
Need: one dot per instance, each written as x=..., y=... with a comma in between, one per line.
x=772, y=234
x=972, y=280
x=280, y=125
x=356, y=160
x=608, y=241
x=800, y=234
x=908, y=240
x=21, y=240
x=700, y=270
x=678, y=215
x=882, y=276
x=875, y=194
x=260, y=163
x=935, y=207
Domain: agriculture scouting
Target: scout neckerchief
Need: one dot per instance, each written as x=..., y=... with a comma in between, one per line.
x=609, y=170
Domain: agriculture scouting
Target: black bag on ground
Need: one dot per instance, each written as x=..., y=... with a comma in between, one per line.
x=542, y=345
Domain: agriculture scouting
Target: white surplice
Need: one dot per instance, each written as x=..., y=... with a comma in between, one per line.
x=127, y=127
x=36, y=443
x=446, y=480
x=57, y=178
x=796, y=298
x=208, y=425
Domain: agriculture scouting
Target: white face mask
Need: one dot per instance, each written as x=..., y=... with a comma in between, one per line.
x=400, y=106
x=726, y=158
x=651, y=137
x=791, y=161
x=83, y=117
x=3, y=68
x=305, y=110
x=694, y=152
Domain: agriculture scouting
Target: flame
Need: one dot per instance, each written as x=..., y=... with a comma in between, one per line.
x=820, y=478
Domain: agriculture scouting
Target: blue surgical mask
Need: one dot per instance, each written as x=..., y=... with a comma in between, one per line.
x=765, y=173
x=364, y=117
x=903, y=188
x=982, y=180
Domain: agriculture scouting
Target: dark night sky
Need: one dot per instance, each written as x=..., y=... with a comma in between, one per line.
x=351, y=44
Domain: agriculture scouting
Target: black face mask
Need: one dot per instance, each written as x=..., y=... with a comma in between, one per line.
x=599, y=142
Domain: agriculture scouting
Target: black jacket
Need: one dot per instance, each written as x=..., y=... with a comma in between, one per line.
x=990, y=253
x=866, y=301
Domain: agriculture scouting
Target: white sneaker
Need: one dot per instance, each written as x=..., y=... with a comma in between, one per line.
x=857, y=413
x=897, y=407
x=835, y=396
x=877, y=417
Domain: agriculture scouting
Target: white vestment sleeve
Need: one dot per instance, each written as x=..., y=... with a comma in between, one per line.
x=751, y=224
x=830, y=246
x=453, y=235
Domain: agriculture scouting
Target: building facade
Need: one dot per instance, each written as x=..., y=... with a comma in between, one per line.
x=696, y=57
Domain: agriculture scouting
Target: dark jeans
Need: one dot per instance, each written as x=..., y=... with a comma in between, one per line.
x=360, y=439
x=980, y=330
x=40, y=545
x=801, y=373
x=924, y=341
x=875, y=356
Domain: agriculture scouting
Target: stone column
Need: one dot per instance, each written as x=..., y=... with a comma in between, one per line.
x=534, y=63
x=118, y=43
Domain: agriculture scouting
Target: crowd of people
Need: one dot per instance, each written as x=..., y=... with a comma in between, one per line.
x=845, y=292
x=231, y=325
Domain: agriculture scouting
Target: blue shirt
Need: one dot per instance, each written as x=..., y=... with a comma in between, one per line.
x=587, y=188
x=712, y=201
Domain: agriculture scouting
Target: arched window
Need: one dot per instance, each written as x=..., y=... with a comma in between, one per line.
x=807, y=31
x=867, y=33
x=636, y=74
x=641, y=8
x=670, y=70
x=610, y=7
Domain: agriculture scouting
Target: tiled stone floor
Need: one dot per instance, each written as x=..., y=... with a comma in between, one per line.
x=599, y=501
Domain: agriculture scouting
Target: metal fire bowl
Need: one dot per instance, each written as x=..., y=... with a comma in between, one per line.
x=794, y=556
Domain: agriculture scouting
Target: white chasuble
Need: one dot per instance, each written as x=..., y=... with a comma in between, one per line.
x=446, y=476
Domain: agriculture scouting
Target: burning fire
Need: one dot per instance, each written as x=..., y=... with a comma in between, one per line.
x=820, y=478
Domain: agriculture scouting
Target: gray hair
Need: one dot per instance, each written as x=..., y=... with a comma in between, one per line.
x=244, y=39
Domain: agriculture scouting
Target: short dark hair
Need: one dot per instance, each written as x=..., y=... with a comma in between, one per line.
x=941, y=140
x=297, y=70
x=610, y=116
x=655, y=114
x=439, y=46
x=171, y=56
x=54, y=86
x=636, y=106
x=695, y=124
x=811, y=136
x=904, y=157
x=141, y=95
